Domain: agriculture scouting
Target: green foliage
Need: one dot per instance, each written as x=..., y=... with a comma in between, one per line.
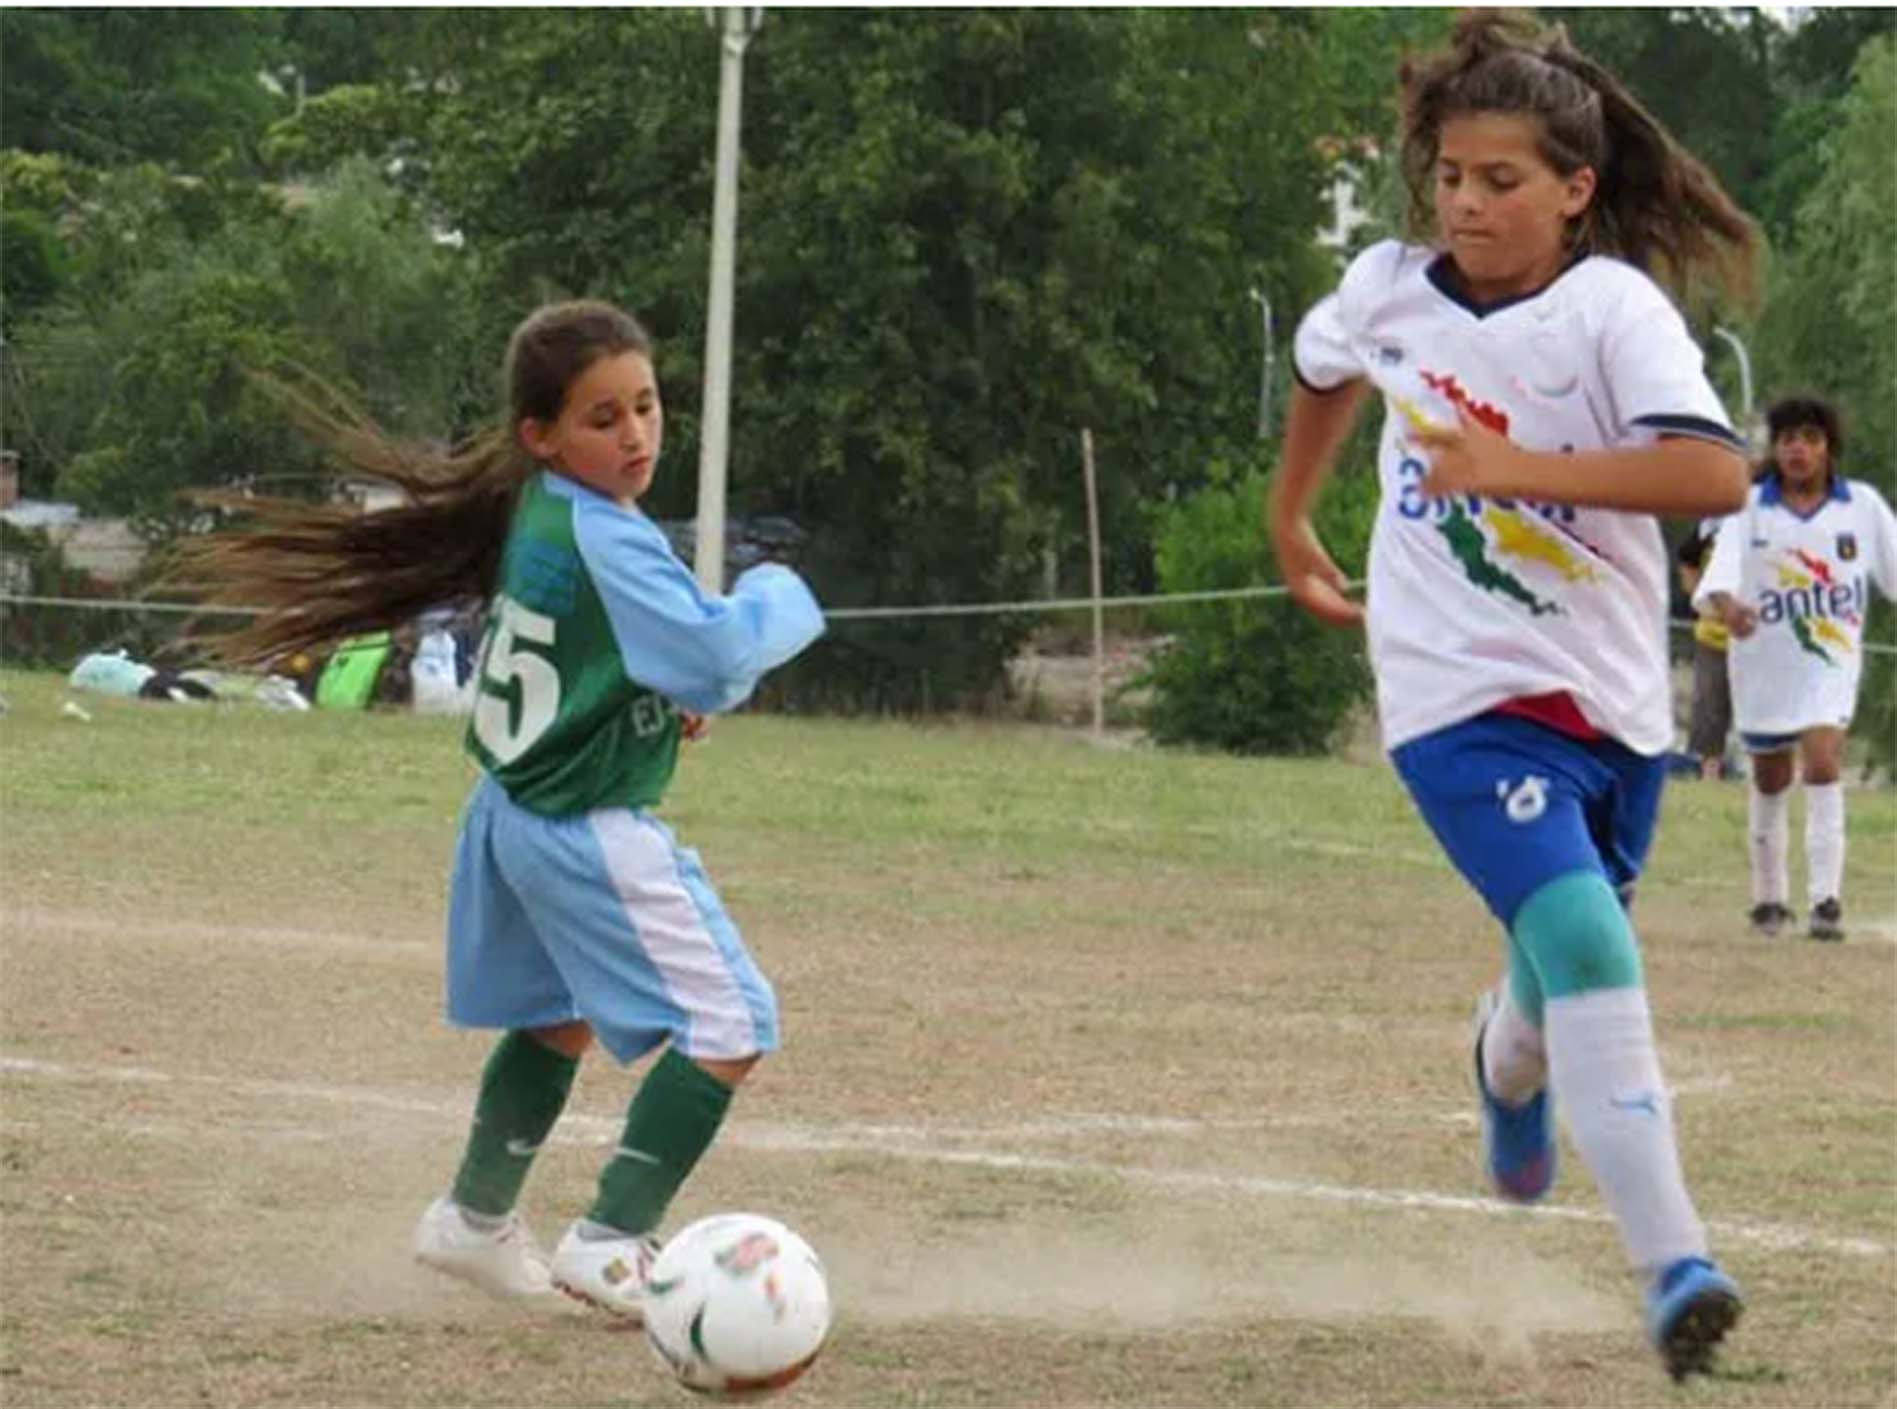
x=1828, y=324
x=1247, y=675
x=35, y=266
x=44, y=183
x=1006, y=226
x=130, y=400
x=112, y=86
x=350, y=120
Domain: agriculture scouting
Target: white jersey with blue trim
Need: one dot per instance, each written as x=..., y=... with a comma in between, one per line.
x=1474, y=601
x=1809, y=577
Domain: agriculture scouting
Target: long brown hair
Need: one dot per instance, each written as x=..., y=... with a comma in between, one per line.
x=1655, y=205
x=324, y=572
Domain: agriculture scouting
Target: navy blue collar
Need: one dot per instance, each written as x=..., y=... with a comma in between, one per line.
x=1442, y=272
x=1772, y=490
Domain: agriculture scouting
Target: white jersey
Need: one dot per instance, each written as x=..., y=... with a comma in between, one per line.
x=1809, y=577
x=1476, y=601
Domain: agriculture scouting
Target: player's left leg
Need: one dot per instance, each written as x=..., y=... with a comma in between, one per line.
x=1605, y=1068
x=1821, y=760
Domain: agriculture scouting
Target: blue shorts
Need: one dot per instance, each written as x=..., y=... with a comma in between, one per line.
x=1769, y=743
x=604, y=917
x=1516, y=804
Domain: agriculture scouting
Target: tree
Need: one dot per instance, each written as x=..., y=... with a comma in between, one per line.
x=1828, y=325
x=128, y=400
x=964, y=236
x=110, y=86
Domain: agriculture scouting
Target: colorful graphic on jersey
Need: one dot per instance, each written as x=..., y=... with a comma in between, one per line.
x=1811, y=600
x=1466, y=541
x=1517, y=536
x=1817, y=567
x=1412, y=413
x=1514, y=538
x=1451, y=390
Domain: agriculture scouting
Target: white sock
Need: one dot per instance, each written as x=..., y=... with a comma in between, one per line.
x=1768, y=835
x=1514, y=1059
x=1606, y=1079
x=1824, y=840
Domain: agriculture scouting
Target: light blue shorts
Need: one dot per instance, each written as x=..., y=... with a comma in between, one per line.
x=604, y=917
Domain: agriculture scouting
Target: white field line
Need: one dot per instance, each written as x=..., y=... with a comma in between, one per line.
x=920, y=1144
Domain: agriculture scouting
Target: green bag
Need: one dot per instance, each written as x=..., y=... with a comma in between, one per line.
x=348, y=680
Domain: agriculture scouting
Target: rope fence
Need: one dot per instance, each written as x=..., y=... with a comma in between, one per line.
x=1057, y=604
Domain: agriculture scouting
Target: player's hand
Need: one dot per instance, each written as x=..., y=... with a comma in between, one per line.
x=1466, y=458
x=693, y=727
x=1316, y=583
x=1740, y=619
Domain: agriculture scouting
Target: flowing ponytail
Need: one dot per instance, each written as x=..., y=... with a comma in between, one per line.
x=323, y=572
x=1655, y=204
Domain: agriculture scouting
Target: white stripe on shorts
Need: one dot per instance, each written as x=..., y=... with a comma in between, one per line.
x=674, y=936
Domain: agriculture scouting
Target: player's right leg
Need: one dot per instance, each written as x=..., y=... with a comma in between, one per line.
x=1767, y=830
x=500, y=976
x=652, y=959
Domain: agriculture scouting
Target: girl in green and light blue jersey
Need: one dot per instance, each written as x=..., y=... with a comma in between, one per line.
x=574, y=912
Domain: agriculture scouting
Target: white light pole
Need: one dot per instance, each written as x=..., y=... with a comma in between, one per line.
x=1745, y=373
x=1264, y=370
x=735, y=26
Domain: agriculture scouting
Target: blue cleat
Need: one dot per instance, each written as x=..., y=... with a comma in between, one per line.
x=1690, y=1307
x=1517, y=1141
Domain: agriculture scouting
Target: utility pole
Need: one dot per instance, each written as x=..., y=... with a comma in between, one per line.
x=735, y=26
x=1264, y=370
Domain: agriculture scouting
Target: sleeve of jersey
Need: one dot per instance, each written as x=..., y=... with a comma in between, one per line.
x=1324, y=353
x=704, y=652
x=1724, y=568
x=1321, y=356
x=1884, y=565
x=1656, y=374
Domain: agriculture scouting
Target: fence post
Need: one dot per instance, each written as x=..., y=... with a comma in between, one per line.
x=1099, y=620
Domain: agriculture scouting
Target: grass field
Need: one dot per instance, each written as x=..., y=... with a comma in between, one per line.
x=1110, y=1077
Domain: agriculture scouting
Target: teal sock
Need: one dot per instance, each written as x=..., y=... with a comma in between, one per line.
x=523, y=1090
x=1571, y=936
x=672, y=1120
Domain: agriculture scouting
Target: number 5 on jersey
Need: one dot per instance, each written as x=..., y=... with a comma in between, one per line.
x=507, y=729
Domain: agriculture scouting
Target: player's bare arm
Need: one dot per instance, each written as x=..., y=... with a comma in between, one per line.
x=1315, y=431
x=1739, y=619
x=1681, y=475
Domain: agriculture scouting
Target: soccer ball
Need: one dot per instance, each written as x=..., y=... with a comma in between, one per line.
x=737, y=1305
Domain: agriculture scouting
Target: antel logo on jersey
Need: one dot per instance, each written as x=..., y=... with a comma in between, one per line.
x=1816, y=597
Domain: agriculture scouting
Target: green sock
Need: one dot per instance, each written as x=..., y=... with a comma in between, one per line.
x=523, y=1090
x=674, y=1115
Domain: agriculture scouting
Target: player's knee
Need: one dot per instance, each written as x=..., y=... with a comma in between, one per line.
x=1772, y=773
x=1576, y=932
x=729, y=1071
x=569, y=1039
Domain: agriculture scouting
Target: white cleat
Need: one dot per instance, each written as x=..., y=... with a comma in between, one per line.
x=609, y=1273
x=504, y=1262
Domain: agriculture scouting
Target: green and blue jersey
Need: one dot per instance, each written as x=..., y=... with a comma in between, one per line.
x=597, y=636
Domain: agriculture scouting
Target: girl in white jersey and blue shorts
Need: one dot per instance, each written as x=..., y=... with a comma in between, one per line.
x=1791, y=579
x=1543, y=403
